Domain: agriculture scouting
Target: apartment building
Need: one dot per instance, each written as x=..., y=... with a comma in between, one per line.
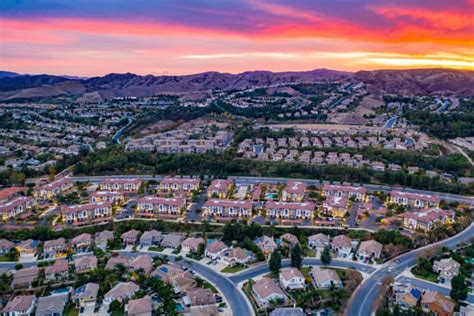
x=124, y=185
x=290, y=210
x=53, y=189
x=84, y=214
x=153, y=206
x=179, y=185
x=228, y=208
x=358, y=193
x=414, y=200
x=427, y=219
x=15, y=207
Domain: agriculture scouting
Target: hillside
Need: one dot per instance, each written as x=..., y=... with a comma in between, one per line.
x=407, y=82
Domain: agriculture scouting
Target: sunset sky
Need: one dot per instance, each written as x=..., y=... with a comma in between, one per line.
x=95, y=37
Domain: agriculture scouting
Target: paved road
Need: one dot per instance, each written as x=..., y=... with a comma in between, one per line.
x=244, y=180
x=369, y=290
x=234, y=297
x=391, y=122
x=263, y=268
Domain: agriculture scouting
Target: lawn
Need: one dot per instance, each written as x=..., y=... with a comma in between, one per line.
x=4, y=259
x=310, y=252
x=208, y=285
x=428, y=276
x=154, y=248
x=71, y=310
x=233, y=269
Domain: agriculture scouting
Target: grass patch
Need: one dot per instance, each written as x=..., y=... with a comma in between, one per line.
x=310, y=252
x=233, y=269
x=155, y=248
x=428, y=276
x=5, y=259
x=208, y=285
x=71, y=310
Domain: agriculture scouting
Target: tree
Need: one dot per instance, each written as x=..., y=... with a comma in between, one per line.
x=459, y=288
x=116, y=308
x=326, y=256
x=296, y=256
x=275, y=262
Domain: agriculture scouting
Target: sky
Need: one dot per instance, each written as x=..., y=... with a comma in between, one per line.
x=176, y=37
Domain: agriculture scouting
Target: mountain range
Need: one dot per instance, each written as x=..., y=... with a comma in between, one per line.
x=15, y=87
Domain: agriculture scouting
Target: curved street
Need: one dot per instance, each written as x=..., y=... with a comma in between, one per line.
x=362, y=300
x=368, y=291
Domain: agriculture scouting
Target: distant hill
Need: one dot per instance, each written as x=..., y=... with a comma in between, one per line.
x=4, y=74
x=407, y=82
x=419, y=81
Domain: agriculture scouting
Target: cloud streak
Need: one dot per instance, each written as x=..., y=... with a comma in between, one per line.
x=232, y=36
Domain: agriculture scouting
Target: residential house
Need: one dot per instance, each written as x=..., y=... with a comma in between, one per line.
x=318, y=242
x=289, y=239
x=103, y=238
x=266, y=244
x=204, y=310
x=191, y=244
x=294, y=191
x=53, y=189
x=215, y=249
x=171, y=241
x=51, y=305
x=20, y=305
x=342, y=246
x=55, y=248
x=15, y=207
x=114, y=197
x=86, y=214
x=336, y=206
x=158, y=207
x=28, y=249
x=139, y=307
x=290, y=210
x=369, y=249
x=219, y=189
x=358, y=193
x=405, y=296
x=427, y=219
x=222, y=209
x=85, y=264
x=114, y=261
x=5, y=246
x=324, y=278
x=291, y=278
x=142, y=262
x=199, y=296
x=266, y=291
x=130, y=237
x=167, y=272
x=124, y=185
x=236, y=256
x=59, y=270
x=183, y=282
x=86, y=295
x=414, y=200
x=120, y=292
x=81, y=243
x=447, y=269
x=434, y=302
x=25, y=277
x=150, y=238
